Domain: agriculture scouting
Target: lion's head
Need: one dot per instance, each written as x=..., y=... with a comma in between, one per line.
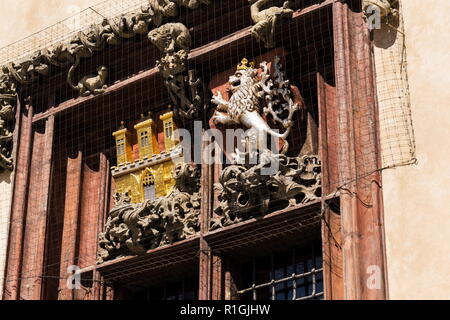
x=243, y=78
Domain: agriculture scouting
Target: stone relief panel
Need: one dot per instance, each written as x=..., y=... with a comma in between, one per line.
x=267, y=16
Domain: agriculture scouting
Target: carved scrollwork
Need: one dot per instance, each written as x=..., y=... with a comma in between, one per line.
x=135, y=228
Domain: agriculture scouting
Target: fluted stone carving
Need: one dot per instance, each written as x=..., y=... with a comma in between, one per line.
x=135, y=228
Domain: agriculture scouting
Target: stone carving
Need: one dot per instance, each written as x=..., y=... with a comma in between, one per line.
x=386, y=8
x=83, y=45
x=171, y=38
x=266, y=18
x=244, y=189
x=249, y=93
x=91, y=84
x=245, y=193
x=135, y=228
x=7, y=102
x=184, y=88
x=169, y=8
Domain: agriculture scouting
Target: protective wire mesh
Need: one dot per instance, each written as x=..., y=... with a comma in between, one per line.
x=67, y=28
x=397, y=142
x=68, y=192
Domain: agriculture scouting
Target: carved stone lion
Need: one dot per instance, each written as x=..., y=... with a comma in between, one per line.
x=249, y=93
x=169, y=8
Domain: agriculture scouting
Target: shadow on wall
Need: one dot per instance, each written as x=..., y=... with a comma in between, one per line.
x=5, y=177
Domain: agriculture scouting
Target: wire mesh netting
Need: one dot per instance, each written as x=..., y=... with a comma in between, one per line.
x=66, y=141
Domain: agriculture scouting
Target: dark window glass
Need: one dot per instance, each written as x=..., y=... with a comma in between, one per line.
x=292, y=275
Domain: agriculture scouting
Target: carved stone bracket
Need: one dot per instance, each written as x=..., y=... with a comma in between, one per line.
x=245, y=192
x=135, y=228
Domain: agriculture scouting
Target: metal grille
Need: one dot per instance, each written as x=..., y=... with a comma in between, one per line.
x=294, y=275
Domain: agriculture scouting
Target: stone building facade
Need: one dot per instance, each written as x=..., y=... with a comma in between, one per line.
x=95, y=182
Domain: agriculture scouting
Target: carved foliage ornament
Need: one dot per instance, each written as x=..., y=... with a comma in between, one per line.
x=135, y=228
x=244, y=192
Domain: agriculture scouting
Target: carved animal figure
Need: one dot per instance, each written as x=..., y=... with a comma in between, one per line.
x=171, y=37
x=244, y=105
x=91, y=84
x=266, y=19
x=169, y=8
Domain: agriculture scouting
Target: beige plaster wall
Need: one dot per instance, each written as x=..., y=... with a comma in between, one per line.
x=416, y=198
x=21, y=18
